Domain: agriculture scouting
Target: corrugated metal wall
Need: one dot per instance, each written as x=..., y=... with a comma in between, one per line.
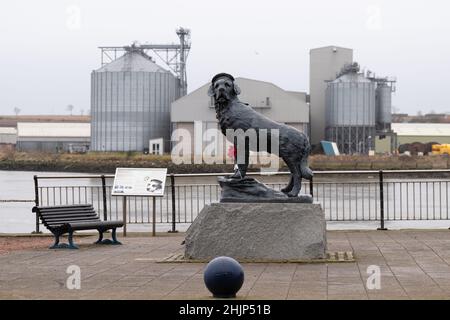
x=384, y=104
x=130, y=108
x=49, y=146
x=351, y=104
x=8, y=138
x=351, y=113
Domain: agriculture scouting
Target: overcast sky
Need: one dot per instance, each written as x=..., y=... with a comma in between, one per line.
x=49, y=47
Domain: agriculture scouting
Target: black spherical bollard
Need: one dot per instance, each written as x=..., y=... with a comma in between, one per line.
x=224, y=277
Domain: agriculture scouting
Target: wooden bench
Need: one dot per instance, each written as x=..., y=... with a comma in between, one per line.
x=67, y=219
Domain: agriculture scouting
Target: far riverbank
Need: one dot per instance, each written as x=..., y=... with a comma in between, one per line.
x=94, y=162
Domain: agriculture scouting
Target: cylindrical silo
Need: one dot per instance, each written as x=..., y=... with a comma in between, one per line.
x=130, y=103
x=350, y=109
x=384, y=106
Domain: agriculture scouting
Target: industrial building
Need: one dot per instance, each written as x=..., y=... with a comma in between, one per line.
x=407, y=133
x=131, y=95
x=53, y=136
x=349, y=107
x=136, y=103
x=47, y=133
x=283, y=106
x=8, y=135
x=324, y=64
x=358, y=109
x=130, y=105
x=345, y=105
x=350, y=111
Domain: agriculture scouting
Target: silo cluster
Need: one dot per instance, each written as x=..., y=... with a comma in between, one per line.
x=357, y=108
x=130, y=103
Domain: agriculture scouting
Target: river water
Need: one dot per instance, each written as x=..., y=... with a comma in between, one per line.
x=357, y=199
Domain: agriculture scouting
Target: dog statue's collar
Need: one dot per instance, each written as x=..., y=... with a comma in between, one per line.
x=222, y=75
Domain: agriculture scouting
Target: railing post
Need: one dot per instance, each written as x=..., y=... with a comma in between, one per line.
x=105, y=205
x=36, y=202
x=174, y=216
x=154, y=217
x=311, y=184
x=380, y=176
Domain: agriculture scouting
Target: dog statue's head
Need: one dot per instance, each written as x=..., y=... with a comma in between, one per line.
x=223, y=88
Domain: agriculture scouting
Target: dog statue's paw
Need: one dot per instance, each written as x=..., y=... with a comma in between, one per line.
x=292, y=194
x=286, y=190
x=236, y=175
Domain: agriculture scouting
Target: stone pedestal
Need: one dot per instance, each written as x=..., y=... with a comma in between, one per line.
x=258, y=232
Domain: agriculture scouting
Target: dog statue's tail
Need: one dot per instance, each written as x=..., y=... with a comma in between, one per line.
x=306, y=172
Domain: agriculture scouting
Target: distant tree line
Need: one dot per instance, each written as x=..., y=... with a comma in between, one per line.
x=421, y=118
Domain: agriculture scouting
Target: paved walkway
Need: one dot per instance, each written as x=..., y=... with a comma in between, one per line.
x=413, y=264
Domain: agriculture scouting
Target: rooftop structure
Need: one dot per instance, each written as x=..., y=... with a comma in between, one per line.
x=421, y=129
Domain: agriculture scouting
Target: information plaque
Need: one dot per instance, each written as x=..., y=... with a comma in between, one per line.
x=148, y=182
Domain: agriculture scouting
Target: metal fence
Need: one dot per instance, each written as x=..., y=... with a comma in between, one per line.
x=375, y=199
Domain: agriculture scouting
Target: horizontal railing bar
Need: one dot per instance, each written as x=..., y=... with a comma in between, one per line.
x=168, y=175
x=111, y=176
x=216, y=184
x=384, y=171
x=74, y=177
x=71, y=186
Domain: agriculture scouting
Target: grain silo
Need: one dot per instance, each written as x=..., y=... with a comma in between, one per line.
x=350, y=111
x=384, y=105
x=130, y=103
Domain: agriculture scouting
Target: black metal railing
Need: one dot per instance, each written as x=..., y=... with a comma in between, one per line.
x=344, y=196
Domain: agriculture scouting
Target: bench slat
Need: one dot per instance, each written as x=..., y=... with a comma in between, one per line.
x=71, y=216
x=70, y=221
x=69, y=206
x=47, y=213
x=50, y=215
x=52, y=223
x=66, y=209
x=65, y=220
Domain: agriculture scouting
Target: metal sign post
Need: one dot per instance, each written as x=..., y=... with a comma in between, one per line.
x=124, y=210
x=154, y=217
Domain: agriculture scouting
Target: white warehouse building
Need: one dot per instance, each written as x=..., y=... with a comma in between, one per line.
x=8, y=135
x=53, y=136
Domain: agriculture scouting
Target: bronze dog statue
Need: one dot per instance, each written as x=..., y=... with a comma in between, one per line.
x=294, y=146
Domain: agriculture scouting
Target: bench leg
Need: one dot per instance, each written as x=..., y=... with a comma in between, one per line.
x=100, y=237
x=58, y=245
x=114, y=237
x=71, y=244
x=113, y=241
